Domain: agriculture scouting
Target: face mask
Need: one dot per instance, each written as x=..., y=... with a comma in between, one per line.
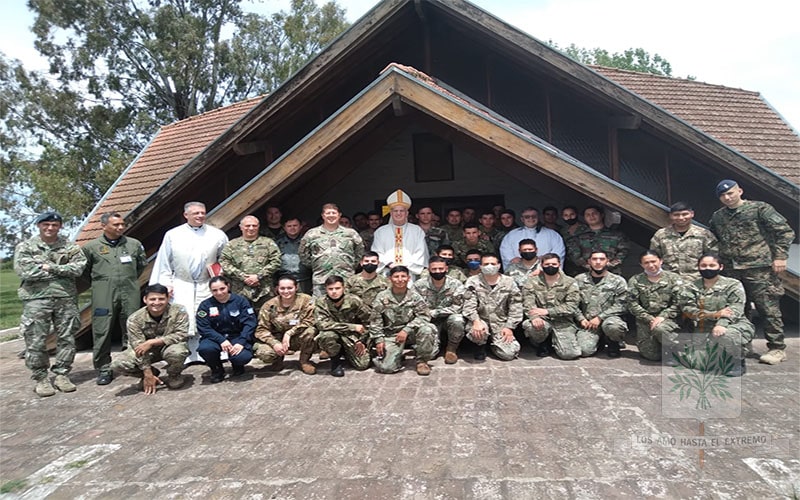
x=473, y=264
x=448, y=260
x=653, y=274
x=709, y=273
x=490, y=269
x=571, y=222
x=370, y=268
x=438, y=276
x=528, y=255
x=550, y=270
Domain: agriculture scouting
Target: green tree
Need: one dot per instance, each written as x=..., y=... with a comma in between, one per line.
x=118, y=69
x=633, y=59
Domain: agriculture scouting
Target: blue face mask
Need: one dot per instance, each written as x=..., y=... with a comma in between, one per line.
x=473, y=264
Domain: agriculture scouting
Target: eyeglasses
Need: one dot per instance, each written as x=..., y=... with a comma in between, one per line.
x=530, y=216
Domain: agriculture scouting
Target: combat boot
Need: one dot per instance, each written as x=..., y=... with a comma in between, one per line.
x=217, y=374
x=613, y=349
x=773, y=357
x=480, y=352
x=337, y=370
x=423, y=368
x=44, y=388
x=175, y=381
x=64, y=384
x=450, y=356
x=306, y=365
x=738, y=369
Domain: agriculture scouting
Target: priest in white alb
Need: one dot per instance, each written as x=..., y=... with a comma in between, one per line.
x=182, y=264
x=400, y=243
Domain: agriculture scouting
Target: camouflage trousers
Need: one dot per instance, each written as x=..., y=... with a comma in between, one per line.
x=38, y=317
x=613, y=327
x=451, y=329
x=303, y=342
x=174, y=354
x=735, y=341
x=568, y=341
x=653, y=343
x=334, y=343
x=765, y=290
x=425, y=340
x=505, y=351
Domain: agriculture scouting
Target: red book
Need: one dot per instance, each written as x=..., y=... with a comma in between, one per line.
x=214, y=269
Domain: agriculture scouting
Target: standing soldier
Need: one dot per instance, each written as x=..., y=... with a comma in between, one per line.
x=550, y=301
x=330, y=249
x=374, y=221
x=434, y=236
x=250, y=261
x=445, y=296
x=289, y=245
x=613, y=243
x=156, y=332
x=471, y=240
x=603, y=296
x=454, y=227
x=401, y=316
x=493, y=305
x=368, y=283
x=342, y=321
x=682, y=243
x=754, y=244
x=113, y=265
x=47, y=266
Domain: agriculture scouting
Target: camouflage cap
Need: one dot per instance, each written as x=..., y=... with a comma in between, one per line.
x=724, y=186
x=49, y=217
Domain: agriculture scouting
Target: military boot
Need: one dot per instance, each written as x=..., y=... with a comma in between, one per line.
x=44, y=388
x=217, y=373
x=613, y=349
x=739, y=368
x=175, y=380
x=305, y=363
x=64, y=384
x=450, y=356
x=337, y=370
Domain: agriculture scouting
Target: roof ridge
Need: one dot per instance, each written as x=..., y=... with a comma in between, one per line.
x=673, y=78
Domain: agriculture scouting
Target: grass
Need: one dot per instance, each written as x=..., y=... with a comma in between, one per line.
x=13, y=485
x=10, y=305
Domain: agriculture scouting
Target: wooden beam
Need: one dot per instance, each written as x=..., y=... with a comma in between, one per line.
x=249, y=148
x=625, y=122
x=397, y=106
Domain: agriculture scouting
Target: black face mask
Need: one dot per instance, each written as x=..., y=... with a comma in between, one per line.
x=438, y=276
x=550, y=270
x=448, y=260
x=370, y=268
x=709, y=273
x=528, y=255
x=571, y=222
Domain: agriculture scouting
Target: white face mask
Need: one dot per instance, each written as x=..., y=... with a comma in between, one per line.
x=490, y=269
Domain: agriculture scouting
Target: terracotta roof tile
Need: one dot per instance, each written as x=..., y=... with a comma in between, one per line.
x=741, y=119
x=172, y=148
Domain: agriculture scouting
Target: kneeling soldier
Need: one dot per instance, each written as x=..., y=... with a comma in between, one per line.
x=342, y=321
x=445, y=296
x=603, y=302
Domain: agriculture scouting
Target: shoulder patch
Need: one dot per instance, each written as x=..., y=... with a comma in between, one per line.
x=202, y=314
x=250, y=310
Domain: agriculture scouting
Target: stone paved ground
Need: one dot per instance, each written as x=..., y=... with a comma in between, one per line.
x=533, y=428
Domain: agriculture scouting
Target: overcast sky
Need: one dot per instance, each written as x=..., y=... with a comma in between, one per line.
x=743, y=44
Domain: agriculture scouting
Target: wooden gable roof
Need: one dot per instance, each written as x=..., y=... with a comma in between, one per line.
x=741, y=119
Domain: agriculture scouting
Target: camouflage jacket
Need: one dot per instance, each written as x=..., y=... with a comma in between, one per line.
x=241, y=257
x=65, y=260
x=604, y=299
x=391, y=314
x=453, y=271
x=454, y=233
x=561, y=299
x=434, y=237
x=367, y=236
x=650, y=299
x=173, y=328
x=613, y=242
x=344, y=318
x=365, y=289
x=752, y=235
x=331, y=252
x=274, y=320
x=580, y=227
x=443, y=302
x=500, y=307
x=701, y=303
x=520, y=273
x=681, y=252
x=461, y=247
x=493, y=236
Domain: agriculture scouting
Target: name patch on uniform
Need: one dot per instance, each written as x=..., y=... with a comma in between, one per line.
x=125, y=259
x=213, y=311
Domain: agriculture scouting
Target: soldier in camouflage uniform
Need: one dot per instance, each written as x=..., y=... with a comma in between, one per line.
x=550, y=301
x=754, y=244
x=716, y=306
x=447, y=253
x=445, y=296
x=399, y=317
x=47, y=266
x=493, y=306
x=573, y=227
x=471, y=240
x=156, y=332
x=682, y=243
x=434, y=236
x=614, y=243
x=342, y=321
x=368, y=283
x=489, y=231
x=330, y=249
x=603, y=296
x=250, y=262
x=528, y=265
x=454, y=228
x=653, y=299
x=374, y=221
x=113, y=265
x=286, y=322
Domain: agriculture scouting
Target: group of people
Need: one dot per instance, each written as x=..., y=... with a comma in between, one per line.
x=278, y=290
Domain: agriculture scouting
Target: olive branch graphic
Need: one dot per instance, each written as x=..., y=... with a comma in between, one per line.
x=702, y=372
